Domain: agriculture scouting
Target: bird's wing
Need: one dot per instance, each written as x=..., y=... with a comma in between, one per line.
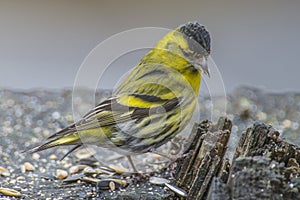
x=124, y=108
x=115, y=110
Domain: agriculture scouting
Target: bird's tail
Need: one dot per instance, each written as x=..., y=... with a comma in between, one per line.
x=70, y=139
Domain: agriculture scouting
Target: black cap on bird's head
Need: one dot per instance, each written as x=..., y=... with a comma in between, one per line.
x=198, y=33
x=198, y=41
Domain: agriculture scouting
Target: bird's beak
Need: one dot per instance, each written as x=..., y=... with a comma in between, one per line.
x=202, y=65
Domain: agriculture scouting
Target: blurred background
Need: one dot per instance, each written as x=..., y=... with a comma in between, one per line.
x=43, y=43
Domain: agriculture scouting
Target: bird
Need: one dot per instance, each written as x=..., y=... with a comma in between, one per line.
x=152, y=104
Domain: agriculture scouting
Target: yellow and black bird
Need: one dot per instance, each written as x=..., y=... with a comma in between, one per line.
x=154, y=102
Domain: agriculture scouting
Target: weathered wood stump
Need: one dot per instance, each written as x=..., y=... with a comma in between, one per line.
x=204, y=158
x=264, y=166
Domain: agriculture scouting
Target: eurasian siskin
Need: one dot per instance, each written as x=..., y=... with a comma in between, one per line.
x=153, y=104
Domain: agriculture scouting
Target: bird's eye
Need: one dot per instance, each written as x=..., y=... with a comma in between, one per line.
x=184, y=52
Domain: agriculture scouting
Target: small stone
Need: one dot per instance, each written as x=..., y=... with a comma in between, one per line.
x=69, y=118
x=245, y=103
x=66, y=165
x=61, y=174
x=89, y=170
x=74, y=169
x=4, y=172
x=261, y=116
x=287, y=123
x=42, y=169
x=28, y=167
x=53, y=157
x=56, y=115
x=20, y=179
x=35, y=156
x=85, y=153
x=295, y=125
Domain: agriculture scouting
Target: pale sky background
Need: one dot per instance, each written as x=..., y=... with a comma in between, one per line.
x=43, y=43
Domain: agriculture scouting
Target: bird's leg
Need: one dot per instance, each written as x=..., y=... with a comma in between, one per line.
x=132, y=164
x=70, y=151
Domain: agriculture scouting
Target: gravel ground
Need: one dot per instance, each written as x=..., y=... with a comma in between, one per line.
x=28, y=117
